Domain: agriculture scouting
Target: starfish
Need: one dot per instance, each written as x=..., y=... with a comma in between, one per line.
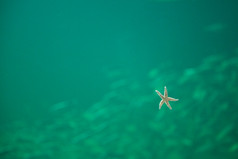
x=165, y=98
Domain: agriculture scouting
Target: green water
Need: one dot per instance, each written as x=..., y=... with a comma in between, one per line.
x=78, y=79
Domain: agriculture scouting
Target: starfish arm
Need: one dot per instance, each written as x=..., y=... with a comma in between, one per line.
x=165, y=92
x=172, y=99
x=161, y=96
x=161, y=103
x=167, y=103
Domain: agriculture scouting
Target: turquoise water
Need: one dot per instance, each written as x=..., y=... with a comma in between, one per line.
x=78, y=79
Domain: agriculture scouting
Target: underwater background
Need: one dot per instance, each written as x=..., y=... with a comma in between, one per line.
x=78, y=79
